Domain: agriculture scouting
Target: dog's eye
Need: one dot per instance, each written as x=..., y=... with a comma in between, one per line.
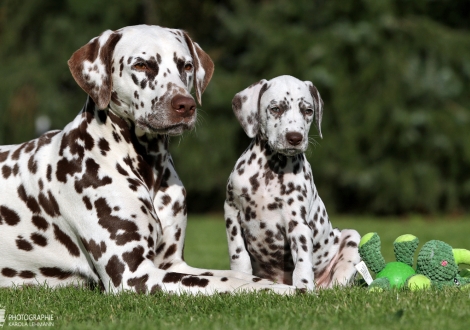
x=140, y=66
x=188, y=67
x=275, y=109
x=309, y=112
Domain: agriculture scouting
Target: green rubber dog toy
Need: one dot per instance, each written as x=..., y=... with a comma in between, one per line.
x=437, y=264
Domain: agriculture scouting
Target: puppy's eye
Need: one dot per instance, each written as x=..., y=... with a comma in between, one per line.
x=309, y=112
x=140, y=66
x=188, y=67
x=275, y=109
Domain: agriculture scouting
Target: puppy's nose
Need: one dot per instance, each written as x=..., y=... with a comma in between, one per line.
x=294, y=138
x=183, y=105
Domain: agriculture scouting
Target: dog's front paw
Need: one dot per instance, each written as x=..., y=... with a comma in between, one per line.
x=304, y=284
x=282, y=289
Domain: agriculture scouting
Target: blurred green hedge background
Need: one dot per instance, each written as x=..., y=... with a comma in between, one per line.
x=394, y=76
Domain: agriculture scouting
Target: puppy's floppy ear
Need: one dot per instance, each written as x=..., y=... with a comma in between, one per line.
x=246, y=106
x=91, y=67
x=203, y=67
x=318, y=105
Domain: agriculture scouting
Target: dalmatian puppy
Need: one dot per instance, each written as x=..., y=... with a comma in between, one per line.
x=100, y=202
x=277, y=225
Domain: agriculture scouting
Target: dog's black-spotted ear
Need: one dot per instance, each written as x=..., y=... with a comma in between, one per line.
x=91, y=67
x=318, y=105
x=203, y=67
x=246, y=106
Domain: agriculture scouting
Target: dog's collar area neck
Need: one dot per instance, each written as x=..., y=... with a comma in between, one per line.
x=269, y=151
x=153, y=144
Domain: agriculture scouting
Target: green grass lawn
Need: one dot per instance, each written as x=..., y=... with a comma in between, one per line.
x=352, y=308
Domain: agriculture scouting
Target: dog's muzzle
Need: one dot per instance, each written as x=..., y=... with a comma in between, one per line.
x=172, y=117
x=293, y=144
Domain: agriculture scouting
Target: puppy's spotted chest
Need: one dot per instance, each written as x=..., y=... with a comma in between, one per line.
x=277, y=225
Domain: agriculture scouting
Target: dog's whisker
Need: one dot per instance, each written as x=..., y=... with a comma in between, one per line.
x=312, y=141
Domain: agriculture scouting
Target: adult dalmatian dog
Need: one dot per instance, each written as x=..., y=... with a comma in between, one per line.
x=277, y=225
x=100, y=201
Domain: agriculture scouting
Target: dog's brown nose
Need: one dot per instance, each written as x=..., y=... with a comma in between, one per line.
x=294, y=138
x=183, y=105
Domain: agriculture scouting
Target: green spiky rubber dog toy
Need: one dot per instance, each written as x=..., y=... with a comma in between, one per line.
x=437, y=264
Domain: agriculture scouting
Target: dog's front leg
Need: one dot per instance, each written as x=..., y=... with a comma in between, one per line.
x=170, y=206
x=301, y=244
x=239, y=257
x=130, y=270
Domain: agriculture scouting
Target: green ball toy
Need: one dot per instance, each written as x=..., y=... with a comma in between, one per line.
x=418, y=282
x=397, y=273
